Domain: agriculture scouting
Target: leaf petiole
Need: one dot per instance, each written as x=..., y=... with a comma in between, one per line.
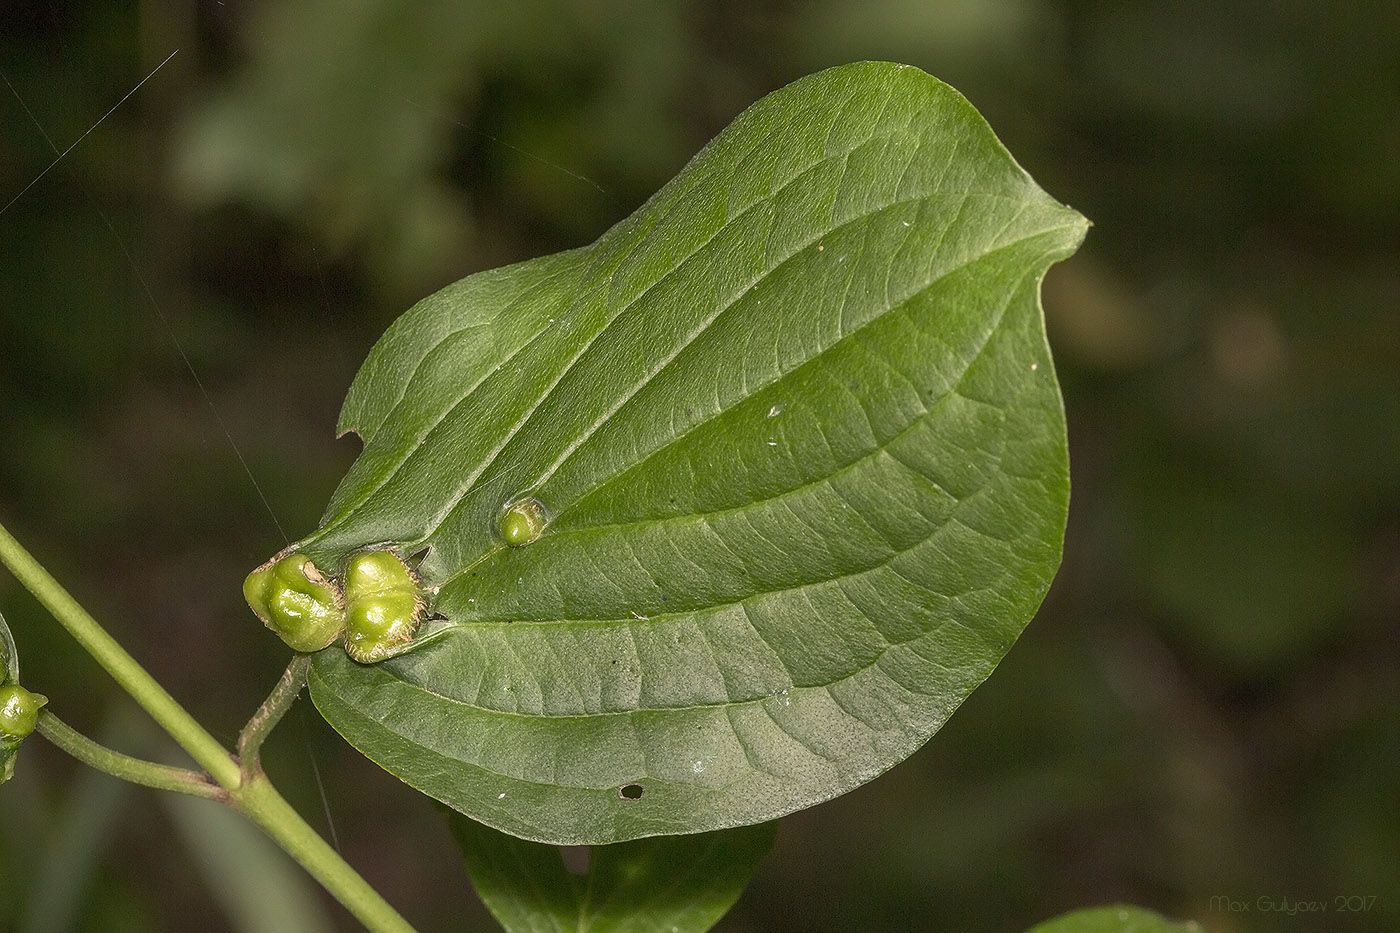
x=270, y=713
x=119, y=765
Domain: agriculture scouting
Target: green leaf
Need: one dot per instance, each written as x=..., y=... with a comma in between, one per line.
x=9, y=674
x=681, y=884
x=9, y=655
x=797, y=437
x=1118, y=918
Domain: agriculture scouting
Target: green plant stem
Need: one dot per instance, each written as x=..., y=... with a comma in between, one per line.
x=267, y=717
x=261, y=802
x=164, y=709
x=135, y=770
x=246, y=790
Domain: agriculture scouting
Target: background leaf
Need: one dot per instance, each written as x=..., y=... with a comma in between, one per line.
x=1117, y=918
x=682, y=884
x=64, y=860
x=261, y=889
x=797, y=429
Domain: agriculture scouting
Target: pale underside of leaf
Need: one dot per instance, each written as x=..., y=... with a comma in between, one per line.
x=798, y=435
x=9, y=655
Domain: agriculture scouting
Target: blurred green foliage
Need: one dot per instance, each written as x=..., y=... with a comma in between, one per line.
x=1207, y=705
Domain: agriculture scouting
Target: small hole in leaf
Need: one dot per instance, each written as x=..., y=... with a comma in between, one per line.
x=630, y=792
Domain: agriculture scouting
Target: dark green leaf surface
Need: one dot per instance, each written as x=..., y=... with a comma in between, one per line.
x=681, y=884
x=798, y=437
x=1115, y=919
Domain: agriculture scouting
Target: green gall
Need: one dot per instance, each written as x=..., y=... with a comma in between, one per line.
x=373, y=573
x=19, y=711
x=522, y=522
x=376, y=625
x=383, y=606
x=295, y=601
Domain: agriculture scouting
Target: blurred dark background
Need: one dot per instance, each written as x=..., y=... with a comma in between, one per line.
x=1207, y=705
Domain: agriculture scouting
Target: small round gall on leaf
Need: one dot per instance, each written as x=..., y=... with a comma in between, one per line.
x=522, y=522
x=19, y=711
x=295, y=601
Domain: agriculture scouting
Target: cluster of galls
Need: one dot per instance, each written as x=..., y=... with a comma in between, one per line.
x=377, y=610
x=380, y=604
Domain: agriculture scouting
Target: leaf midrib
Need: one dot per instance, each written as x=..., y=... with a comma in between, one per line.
x=724, y=704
